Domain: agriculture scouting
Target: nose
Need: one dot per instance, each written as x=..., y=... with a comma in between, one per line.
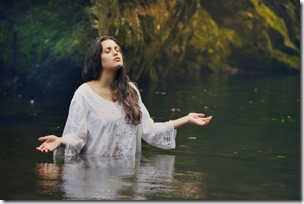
x=115, y=52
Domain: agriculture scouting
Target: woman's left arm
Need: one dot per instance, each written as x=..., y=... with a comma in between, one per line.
x=162, y=134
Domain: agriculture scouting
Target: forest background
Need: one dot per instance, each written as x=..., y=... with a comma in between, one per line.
x=42, y=43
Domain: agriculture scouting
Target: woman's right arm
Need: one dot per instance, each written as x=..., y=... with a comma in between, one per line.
x=75, y=131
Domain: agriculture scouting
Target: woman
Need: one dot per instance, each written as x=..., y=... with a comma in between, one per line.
x=107, y=116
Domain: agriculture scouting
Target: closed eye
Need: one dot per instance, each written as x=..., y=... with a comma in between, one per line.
x=117, y=49
x=107, y=50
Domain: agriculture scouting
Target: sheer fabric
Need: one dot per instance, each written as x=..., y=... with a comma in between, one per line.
x=96, y=126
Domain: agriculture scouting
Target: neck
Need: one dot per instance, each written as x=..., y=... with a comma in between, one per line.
x=106, y=79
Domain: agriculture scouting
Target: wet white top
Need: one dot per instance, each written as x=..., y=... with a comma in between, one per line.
x=96, y=126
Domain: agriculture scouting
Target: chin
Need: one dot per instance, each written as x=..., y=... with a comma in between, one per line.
x=119, y=67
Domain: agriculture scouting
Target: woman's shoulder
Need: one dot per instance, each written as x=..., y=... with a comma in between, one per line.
x=83, y=88
x=82, y=91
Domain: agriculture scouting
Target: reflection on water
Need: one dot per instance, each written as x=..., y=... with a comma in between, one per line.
x=126, y=178
x=48, y=175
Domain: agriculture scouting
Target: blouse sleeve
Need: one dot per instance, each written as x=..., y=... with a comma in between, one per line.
x=158, y=134
x=75, y=131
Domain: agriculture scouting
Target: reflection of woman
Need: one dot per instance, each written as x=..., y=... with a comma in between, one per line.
x=86, y=177
x=107, y=116
x=89, y=178
x=48, y=181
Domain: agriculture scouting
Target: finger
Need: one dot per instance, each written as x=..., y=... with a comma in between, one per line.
x=45, y=150
x=202, y=122
x=205, y=121
x=39, y=148
x=208, y=120
x=41, y=139
x=200, y=114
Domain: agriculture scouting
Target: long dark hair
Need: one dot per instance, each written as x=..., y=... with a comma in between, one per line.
x=122, y=91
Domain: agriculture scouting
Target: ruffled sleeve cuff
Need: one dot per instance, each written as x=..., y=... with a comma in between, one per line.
x=168, y=135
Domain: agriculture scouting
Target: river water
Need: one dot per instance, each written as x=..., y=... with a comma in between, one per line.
x=251, y=151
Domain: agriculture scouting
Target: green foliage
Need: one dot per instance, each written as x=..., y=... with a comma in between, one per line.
x=273, y=21
x=46, y=35
x=43, y=42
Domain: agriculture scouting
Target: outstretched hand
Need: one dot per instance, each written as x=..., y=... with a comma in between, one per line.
x=199, y=119
x=50, y=143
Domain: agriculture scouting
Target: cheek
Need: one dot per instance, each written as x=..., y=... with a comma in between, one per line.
x=104, y=61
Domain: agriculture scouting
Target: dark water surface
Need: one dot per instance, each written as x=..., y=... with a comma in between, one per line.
x=251, y=150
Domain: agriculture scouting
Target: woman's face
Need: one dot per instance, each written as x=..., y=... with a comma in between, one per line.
x=111, y=57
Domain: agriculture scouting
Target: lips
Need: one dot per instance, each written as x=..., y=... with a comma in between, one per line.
x=117, y=59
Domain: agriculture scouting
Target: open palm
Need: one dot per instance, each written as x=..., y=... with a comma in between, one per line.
x=50, y=143
x=199, y=119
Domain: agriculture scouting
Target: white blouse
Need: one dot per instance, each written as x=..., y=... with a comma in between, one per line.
x=96, y=126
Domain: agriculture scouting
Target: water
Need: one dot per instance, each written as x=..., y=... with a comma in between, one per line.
x=251, y=151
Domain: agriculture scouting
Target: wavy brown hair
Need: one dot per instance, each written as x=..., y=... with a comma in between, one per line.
x=122, y=91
